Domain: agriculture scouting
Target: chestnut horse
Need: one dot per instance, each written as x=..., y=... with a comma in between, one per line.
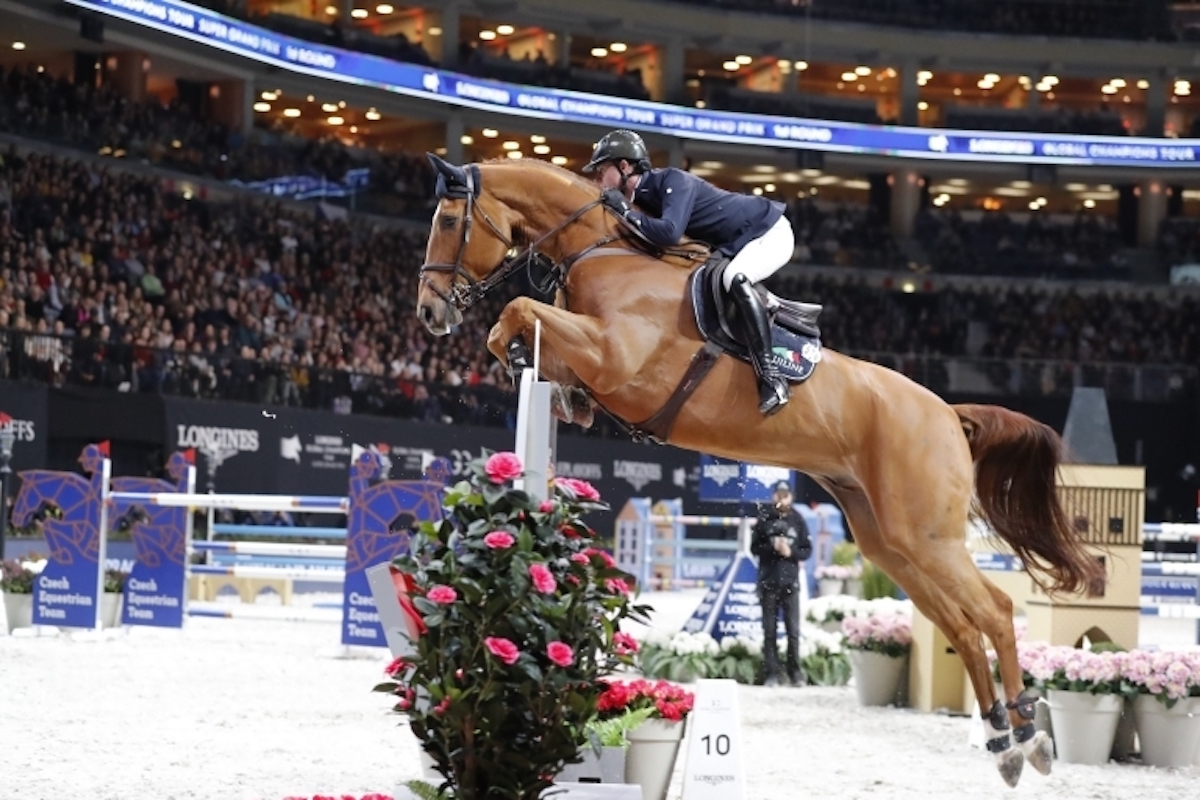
x=903, y=465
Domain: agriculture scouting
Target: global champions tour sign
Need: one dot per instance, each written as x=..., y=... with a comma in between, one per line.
x=332, y=63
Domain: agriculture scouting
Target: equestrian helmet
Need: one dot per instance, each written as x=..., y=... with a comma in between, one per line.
x=620, y=144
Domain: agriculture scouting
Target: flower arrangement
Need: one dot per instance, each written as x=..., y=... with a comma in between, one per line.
x=837, y=572
x=17, y=577
x=682, y=657
x=1169, y=676
x=114, y=580
x=1074, y=670
x=888, y=634
x=1028, y=654
x=665, y=700
x=518, y=619
x=831, y=608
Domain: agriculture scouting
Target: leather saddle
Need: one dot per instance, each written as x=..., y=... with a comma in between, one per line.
x=795, y=336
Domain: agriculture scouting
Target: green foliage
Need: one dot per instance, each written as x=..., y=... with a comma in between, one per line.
x=844, y=554
x=425, y=791
x=496, y=729
x=114, y=580
x=17, y=576
x=611, y=732
x=876, y=583
x=665, y=663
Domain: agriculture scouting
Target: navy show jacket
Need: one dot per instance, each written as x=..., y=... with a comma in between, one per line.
x=679, y=203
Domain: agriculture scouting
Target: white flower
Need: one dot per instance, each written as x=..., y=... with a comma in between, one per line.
x=656, y=638
x=35, y=567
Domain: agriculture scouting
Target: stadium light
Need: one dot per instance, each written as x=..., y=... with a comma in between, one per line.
x=536, y=139
x=745, y=61
x=559, y=160
x=331, y=11
x=1118, y=82
x=541, y=149
x=373, y=115
x=510, y=145
x=487, y=36
x=1109, y=89
x=434, y=31
x=505, y=30
x=360, y=13
x=291, y=113
x=599, y=52
x=262, y=108
x=618, y=47
x=466, y=138
x=384, y=8
x=922, y=106
x=18, y=45
x=329, y=108
x=1089, y=203
x=801, y=66
x=731, y=66
x=515, y=154
x=849, y=76
x=269, y=95
x=490, y=133
x=1143, y=84
x=335, y=121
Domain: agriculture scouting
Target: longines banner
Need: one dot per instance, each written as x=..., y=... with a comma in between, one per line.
x=252, y=449
x=26, y=405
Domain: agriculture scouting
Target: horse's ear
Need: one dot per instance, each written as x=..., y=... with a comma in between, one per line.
x=452, y=181
x=440, y=165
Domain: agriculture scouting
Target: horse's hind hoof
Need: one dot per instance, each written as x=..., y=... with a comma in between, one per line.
x=1010, y=763
x=1039, y=752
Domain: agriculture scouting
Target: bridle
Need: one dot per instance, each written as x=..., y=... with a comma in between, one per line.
x=465, y=291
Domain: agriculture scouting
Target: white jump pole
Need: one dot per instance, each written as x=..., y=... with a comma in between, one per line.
x=536, y=427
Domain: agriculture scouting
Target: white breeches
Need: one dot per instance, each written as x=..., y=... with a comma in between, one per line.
x=761, y=257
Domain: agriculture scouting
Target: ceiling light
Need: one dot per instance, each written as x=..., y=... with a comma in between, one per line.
x=1089, y=203
x=18, y=45
x=310, y=98
x=745, y=61
x=1041, y=201
x=354, y=129
x=992, y=77
x=770, y=187
x=467, y=138
x=1109, y=89
x=331, y=10
x=758, y=190
x=384, y=8
x=559, y=160
x=536, y=139
x=863, y=71
x=985, y=84
x=957, y=92
x=1119, y=83
x=701, y=104
x=849, y=76
x=731, y=66
x=359, y=13
x=505, y=30
x=922, y=106
x=1050, y=79
x=514, y=154
x=341, y=103
x=1076, y=187
x=618, y=47
x=335, y=120
x=1033, y=205
x=262, y=108
x=373, y=115
x=269, y=96
x=487, y=36
x=434, y=31
x=599, y=52
x=541, y=149
x=329, y=108
x=291, y=112
x=801, y=66
x=1143, y=84
x=924, y=75
x=490, y=133
x=510, y=145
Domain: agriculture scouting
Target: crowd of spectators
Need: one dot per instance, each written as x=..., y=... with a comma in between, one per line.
x=842, y=235
x=109, y=280
x=36, y=104
x=1041, y=245
x=1093, y=19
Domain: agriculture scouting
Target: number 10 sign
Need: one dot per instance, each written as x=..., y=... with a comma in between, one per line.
x=713, y=765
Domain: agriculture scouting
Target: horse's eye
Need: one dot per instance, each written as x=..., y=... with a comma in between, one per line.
x=449, y=222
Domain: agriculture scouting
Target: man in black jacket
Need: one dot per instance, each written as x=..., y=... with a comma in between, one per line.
x=751, y=230
x=781, y=542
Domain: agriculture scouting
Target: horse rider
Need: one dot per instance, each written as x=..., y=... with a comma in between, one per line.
x=752, y=231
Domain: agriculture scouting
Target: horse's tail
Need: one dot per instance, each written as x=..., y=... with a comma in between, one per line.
x=1016, y=469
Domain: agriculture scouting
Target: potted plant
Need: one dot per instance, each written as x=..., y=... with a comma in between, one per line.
x=828, y=611
x=831, y=579
x=683, y=657
x=822, y=658
x=16, y=586
x=654, y=744
x=1166, y=706
x=517, y=619
x=114, y=595
x=604, y=757
x=878, y=646
x=1085, y=691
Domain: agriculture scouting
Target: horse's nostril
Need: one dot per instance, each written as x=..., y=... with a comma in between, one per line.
x=425, y=314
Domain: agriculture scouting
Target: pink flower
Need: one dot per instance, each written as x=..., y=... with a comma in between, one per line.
x=602, y=555
x=498, y=540
x=580, y=558
x=502, y=649
x=560, y=653
x=501, y=467
x=617, y=586
x=625, y=644
x=442, y=595
x=442, y=707
x=546, y=506
x=397, y=666
x=543, y=581
x=581, y=489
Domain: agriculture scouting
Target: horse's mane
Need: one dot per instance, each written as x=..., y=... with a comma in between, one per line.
x=536, y=163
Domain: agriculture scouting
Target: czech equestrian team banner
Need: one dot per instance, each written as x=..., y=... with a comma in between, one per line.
x=378, y=530
x=297, y=55
x=157, y=583
x=73, y=514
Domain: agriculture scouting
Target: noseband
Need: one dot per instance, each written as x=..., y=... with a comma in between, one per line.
x=465, y=291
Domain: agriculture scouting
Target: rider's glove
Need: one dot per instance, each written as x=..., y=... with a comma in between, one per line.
x=617, y=202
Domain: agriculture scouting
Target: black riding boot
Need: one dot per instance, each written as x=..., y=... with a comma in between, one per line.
x=773, y=389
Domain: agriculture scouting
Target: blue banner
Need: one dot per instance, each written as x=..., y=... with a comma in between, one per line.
x=726, y=481
x=297, y=55
x=731, y=606
x=157, y=584
x=371, y=539
x=306, y=187
x=67, y=592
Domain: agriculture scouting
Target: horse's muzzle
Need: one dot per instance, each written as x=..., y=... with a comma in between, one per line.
x=438, y=317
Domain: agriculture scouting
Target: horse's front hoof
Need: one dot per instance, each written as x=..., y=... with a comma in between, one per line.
x=1039, y=752
x=519, y=358
x=1010, y=763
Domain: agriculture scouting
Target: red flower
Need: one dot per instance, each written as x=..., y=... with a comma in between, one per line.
x=617, y=586
x=580, y=558
x=443, y=595
x=581, y=489
x=502, y=649
x=543, y=581
x=602, y=555
x=568, y=531
x=442, y=707
x=501, y=467
x=573, y=580
x=405, y=587
x=560, y=653
x=546, y=506
x=499, y=540
x=397, y=666
x=625, y=644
